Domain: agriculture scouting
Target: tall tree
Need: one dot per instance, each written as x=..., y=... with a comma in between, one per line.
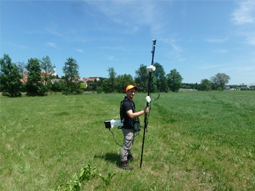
x=141, y=79
x=47, y=68
x=10, y=78
x=21, y=67
x=98, y=85
x=160, y=78
x=122, y=81
x=112, y=79
x=220, y=80
x=71, y=71
x=174, y=80
x=205, y=85
x=35, y=84
x=109, y=84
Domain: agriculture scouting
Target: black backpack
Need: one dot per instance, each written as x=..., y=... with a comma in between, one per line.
x=136, y=121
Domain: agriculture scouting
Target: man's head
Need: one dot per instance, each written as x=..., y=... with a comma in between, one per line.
x=130, y=90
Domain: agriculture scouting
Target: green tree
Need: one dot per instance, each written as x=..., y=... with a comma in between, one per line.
x=98, y=85
x=71, y=71
x=205, y=85
x=82, y=86
x=10, y=78
x=57, y=86
x=109, y=84
x=122, y=81
x=142, y=77
x=112, y=79
x=233, y=86
x=105, y=86
x=220, y=80
x=174, y=80
x=47, y=68
x=190, y=86
x=35, y=84
x=21, y=67
x=161, y=79
x=89, y=86
x=196, y=86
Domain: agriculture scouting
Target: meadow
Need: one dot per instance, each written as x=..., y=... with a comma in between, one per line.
x=195, y=141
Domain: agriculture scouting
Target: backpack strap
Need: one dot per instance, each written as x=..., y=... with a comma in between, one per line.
x=121, y=110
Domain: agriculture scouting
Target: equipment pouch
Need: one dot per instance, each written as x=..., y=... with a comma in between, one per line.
x=137, y=126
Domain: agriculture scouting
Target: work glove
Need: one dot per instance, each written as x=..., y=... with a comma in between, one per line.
x=148, y=99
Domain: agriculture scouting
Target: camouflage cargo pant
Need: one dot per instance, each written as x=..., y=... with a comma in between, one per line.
x=128, y=141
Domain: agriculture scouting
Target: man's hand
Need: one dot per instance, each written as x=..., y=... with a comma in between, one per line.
x=146, y=110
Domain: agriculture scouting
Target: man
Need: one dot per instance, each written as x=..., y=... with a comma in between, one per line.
x=127, y=111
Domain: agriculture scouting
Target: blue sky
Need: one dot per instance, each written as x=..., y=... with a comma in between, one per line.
x=198, y=38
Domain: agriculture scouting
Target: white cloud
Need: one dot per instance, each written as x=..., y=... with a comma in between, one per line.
x=205, y=67
x=244, y=18
x=222, y=51
x=134, y=14
x=111, y=58
x=115, y=48
x=240, y=68
x=80, y=50
x=51, y=44
x=175, y=50
x=175, y=47
x=173, y=44
x=245, y=13
x=248, y=35
x=18, y=45
x=216, y=40
x=53, y=32
x=251, y=40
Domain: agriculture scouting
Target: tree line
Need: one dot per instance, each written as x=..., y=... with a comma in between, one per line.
x=40, y=79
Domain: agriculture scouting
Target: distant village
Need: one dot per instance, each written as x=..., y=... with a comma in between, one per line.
x=56, y=78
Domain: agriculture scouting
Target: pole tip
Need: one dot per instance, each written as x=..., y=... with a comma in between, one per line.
x=153, y=40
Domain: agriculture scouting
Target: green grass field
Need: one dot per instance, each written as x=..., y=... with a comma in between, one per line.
x=195, y=141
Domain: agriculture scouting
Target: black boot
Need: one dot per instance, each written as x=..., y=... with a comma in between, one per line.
x=131, y=158
x=124, y=165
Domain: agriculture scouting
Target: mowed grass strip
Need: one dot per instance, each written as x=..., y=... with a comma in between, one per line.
x=195, y=141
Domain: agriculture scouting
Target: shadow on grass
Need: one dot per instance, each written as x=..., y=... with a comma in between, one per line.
x=111, y=157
